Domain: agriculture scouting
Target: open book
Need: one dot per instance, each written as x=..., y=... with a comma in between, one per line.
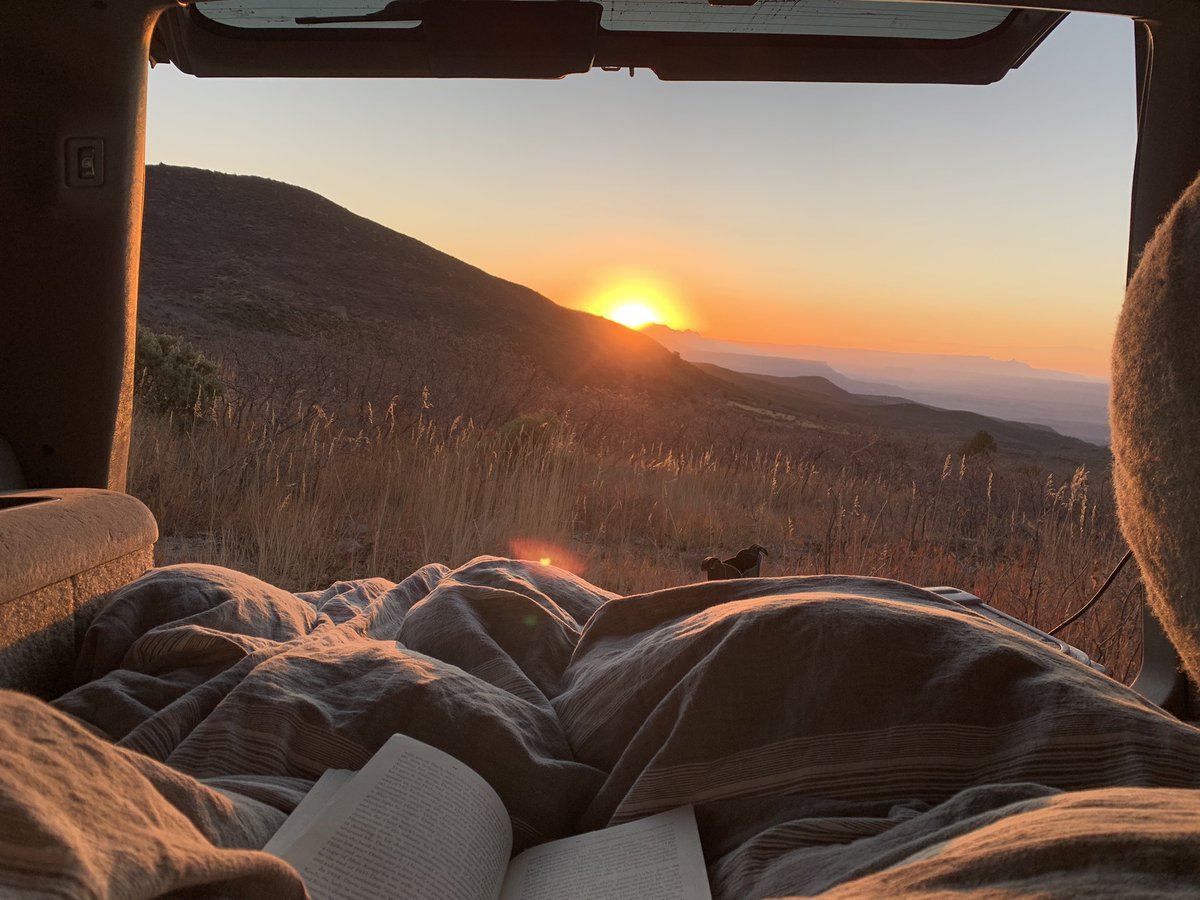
x=416, y=823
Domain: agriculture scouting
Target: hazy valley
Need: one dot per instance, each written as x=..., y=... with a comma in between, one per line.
x=1071, y=404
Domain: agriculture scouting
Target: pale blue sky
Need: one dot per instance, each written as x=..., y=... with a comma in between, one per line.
x=934, y=218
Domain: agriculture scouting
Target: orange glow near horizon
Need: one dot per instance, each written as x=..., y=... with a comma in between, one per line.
x=902, y=296
x=899, y=310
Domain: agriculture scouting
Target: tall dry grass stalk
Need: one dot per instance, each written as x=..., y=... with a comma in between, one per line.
x=309, y=499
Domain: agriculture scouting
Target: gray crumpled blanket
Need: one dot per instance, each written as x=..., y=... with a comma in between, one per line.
x=851, y=735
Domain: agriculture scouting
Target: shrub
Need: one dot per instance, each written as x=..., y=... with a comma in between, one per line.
x=171, y=375
x=982, y=442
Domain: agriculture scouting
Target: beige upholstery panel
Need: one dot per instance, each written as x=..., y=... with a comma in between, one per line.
x=59, y=557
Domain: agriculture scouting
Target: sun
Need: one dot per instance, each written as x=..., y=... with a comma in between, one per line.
x=633, y=314
x=635, y=300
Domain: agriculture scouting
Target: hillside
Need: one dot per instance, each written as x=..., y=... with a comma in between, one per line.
x=224, y=255
x=304, y=299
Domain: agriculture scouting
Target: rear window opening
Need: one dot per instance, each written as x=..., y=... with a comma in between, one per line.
x=845, y=297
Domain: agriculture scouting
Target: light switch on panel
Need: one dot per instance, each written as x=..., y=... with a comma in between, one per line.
x=85, y=162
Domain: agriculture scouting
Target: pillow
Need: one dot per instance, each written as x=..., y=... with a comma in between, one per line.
x=1155, y=413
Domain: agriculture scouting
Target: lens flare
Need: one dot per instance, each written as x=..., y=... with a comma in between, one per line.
x=545, y=553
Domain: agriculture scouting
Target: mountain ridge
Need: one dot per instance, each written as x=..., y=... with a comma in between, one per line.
x=243, y=233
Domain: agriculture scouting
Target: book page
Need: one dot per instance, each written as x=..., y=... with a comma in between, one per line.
x=656, y=858
x=308, y=811
x=414, y=823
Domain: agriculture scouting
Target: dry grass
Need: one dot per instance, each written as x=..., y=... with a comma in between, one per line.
x=309, y=499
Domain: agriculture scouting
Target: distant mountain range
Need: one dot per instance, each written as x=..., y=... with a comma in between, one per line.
x=1073, y=404
x=243, y=262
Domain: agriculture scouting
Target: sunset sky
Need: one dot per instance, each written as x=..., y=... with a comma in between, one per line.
x=941, y=219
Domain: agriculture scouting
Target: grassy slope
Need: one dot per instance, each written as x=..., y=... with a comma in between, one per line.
x=304, y=506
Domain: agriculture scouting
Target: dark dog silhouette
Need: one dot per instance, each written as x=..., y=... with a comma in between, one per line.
x=717, y=570
x=746, y=563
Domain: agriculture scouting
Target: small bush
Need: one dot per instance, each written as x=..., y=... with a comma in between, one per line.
x=170, y=375
x=982, y=442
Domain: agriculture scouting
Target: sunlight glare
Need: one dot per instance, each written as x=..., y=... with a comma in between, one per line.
x=635, y=300
x=633, y=314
